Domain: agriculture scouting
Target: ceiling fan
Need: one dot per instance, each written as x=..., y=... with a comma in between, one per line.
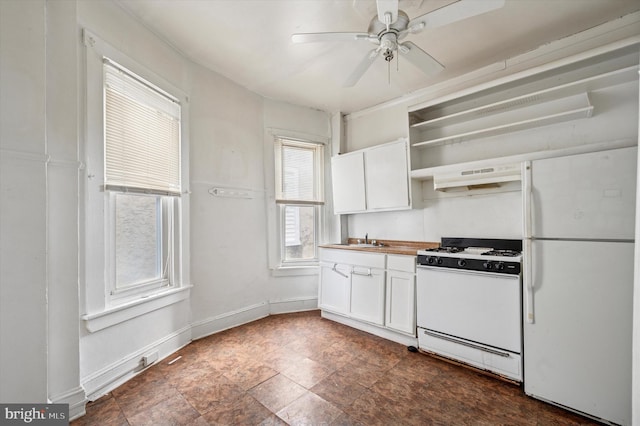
x=392, y=25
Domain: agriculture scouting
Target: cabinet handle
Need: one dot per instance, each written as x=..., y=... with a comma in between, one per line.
x=368, y=274
x=338, y=272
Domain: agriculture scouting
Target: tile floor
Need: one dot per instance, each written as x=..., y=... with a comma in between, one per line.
x=300, y=369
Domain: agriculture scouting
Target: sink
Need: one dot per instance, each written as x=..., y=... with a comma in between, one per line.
x=365, y=245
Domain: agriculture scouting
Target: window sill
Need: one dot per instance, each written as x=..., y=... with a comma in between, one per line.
x=292, y=271
x=117, y=314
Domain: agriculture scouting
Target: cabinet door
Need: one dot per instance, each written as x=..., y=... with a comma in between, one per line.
x=387, y=176
x=347, y=175
x=367, y=295
x=333, y=294
x=400, y=302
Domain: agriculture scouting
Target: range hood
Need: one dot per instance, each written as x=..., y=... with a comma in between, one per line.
x=485, y=177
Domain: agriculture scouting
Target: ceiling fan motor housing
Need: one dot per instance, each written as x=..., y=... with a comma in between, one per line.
x=379, y=28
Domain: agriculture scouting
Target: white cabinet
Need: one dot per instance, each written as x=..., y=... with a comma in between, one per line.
x=372, y=179
x=348, y=183
x=367, y=294
x=387, y=176
x=400, y=310
x=352, y=283
x=334, y=287
x=375, y=288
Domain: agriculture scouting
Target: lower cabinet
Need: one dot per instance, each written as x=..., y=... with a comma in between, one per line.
x=334, y=287
x=367, y=294
x=400, y=309
x=370, y=287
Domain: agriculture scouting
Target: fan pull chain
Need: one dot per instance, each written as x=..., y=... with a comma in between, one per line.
x=389, y=73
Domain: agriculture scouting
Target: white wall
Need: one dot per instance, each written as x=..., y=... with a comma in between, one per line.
x=46, y=350
x=23, y=188
x=229, y=263
x=39, y=344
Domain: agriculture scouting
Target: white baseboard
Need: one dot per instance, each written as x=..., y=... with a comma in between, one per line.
x=286, y=306
x=75, y=398
x=105, y=380
x=228, y=320
x=385, y=333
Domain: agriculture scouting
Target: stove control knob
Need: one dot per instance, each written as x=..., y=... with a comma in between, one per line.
x=487, y=265
x=440, y=261
x=431, y=259
x=462, y=262
x=500, y=266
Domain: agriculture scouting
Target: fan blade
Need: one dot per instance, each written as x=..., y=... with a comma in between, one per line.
x=454, y=12
x=420, y=58
x=362, y=67
x=318, y=37
x=389, y=7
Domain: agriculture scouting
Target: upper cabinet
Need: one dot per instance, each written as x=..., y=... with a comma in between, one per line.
x=372, y=179
x=387, y=176
x=347, y=173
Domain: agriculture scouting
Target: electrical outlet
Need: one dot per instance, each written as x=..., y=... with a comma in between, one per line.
x=149, y=358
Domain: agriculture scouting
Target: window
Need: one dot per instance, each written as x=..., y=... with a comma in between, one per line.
x=142, y=183
x=299, y=197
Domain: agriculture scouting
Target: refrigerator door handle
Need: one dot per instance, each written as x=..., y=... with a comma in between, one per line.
x=528, y=282
x=527, y=208
x=527, y=200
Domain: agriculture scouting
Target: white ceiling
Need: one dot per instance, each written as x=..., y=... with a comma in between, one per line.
x=249, y=42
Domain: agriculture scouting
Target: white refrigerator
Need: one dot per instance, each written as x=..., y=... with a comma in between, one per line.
x=578, y=281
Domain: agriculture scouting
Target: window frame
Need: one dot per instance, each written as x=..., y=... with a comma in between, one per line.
x=281, y=203
x=101, y=308
x=166, y=198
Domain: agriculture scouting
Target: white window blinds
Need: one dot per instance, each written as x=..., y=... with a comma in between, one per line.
x=142, y=135
x=299, y=172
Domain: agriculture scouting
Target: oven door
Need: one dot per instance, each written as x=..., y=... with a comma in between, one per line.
x=481, y=307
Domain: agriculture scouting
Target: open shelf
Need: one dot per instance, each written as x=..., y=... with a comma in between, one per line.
x=512, y=126
x=440, y=124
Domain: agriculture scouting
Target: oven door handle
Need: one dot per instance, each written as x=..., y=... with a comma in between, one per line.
x=468, y=344
x=469, y=272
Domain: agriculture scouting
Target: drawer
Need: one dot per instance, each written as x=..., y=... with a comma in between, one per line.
x=352, y=257
x=403, y=263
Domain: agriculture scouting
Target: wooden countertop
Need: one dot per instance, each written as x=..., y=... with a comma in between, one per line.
x=409, y=248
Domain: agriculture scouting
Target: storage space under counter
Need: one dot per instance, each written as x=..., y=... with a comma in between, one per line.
x=400, y=301
x=371, y=288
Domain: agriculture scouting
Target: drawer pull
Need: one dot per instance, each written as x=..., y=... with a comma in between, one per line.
x=365, y=274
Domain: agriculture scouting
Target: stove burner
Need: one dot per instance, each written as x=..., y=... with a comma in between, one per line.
x=505, y=253
x=493, y=252
x=445, y=250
